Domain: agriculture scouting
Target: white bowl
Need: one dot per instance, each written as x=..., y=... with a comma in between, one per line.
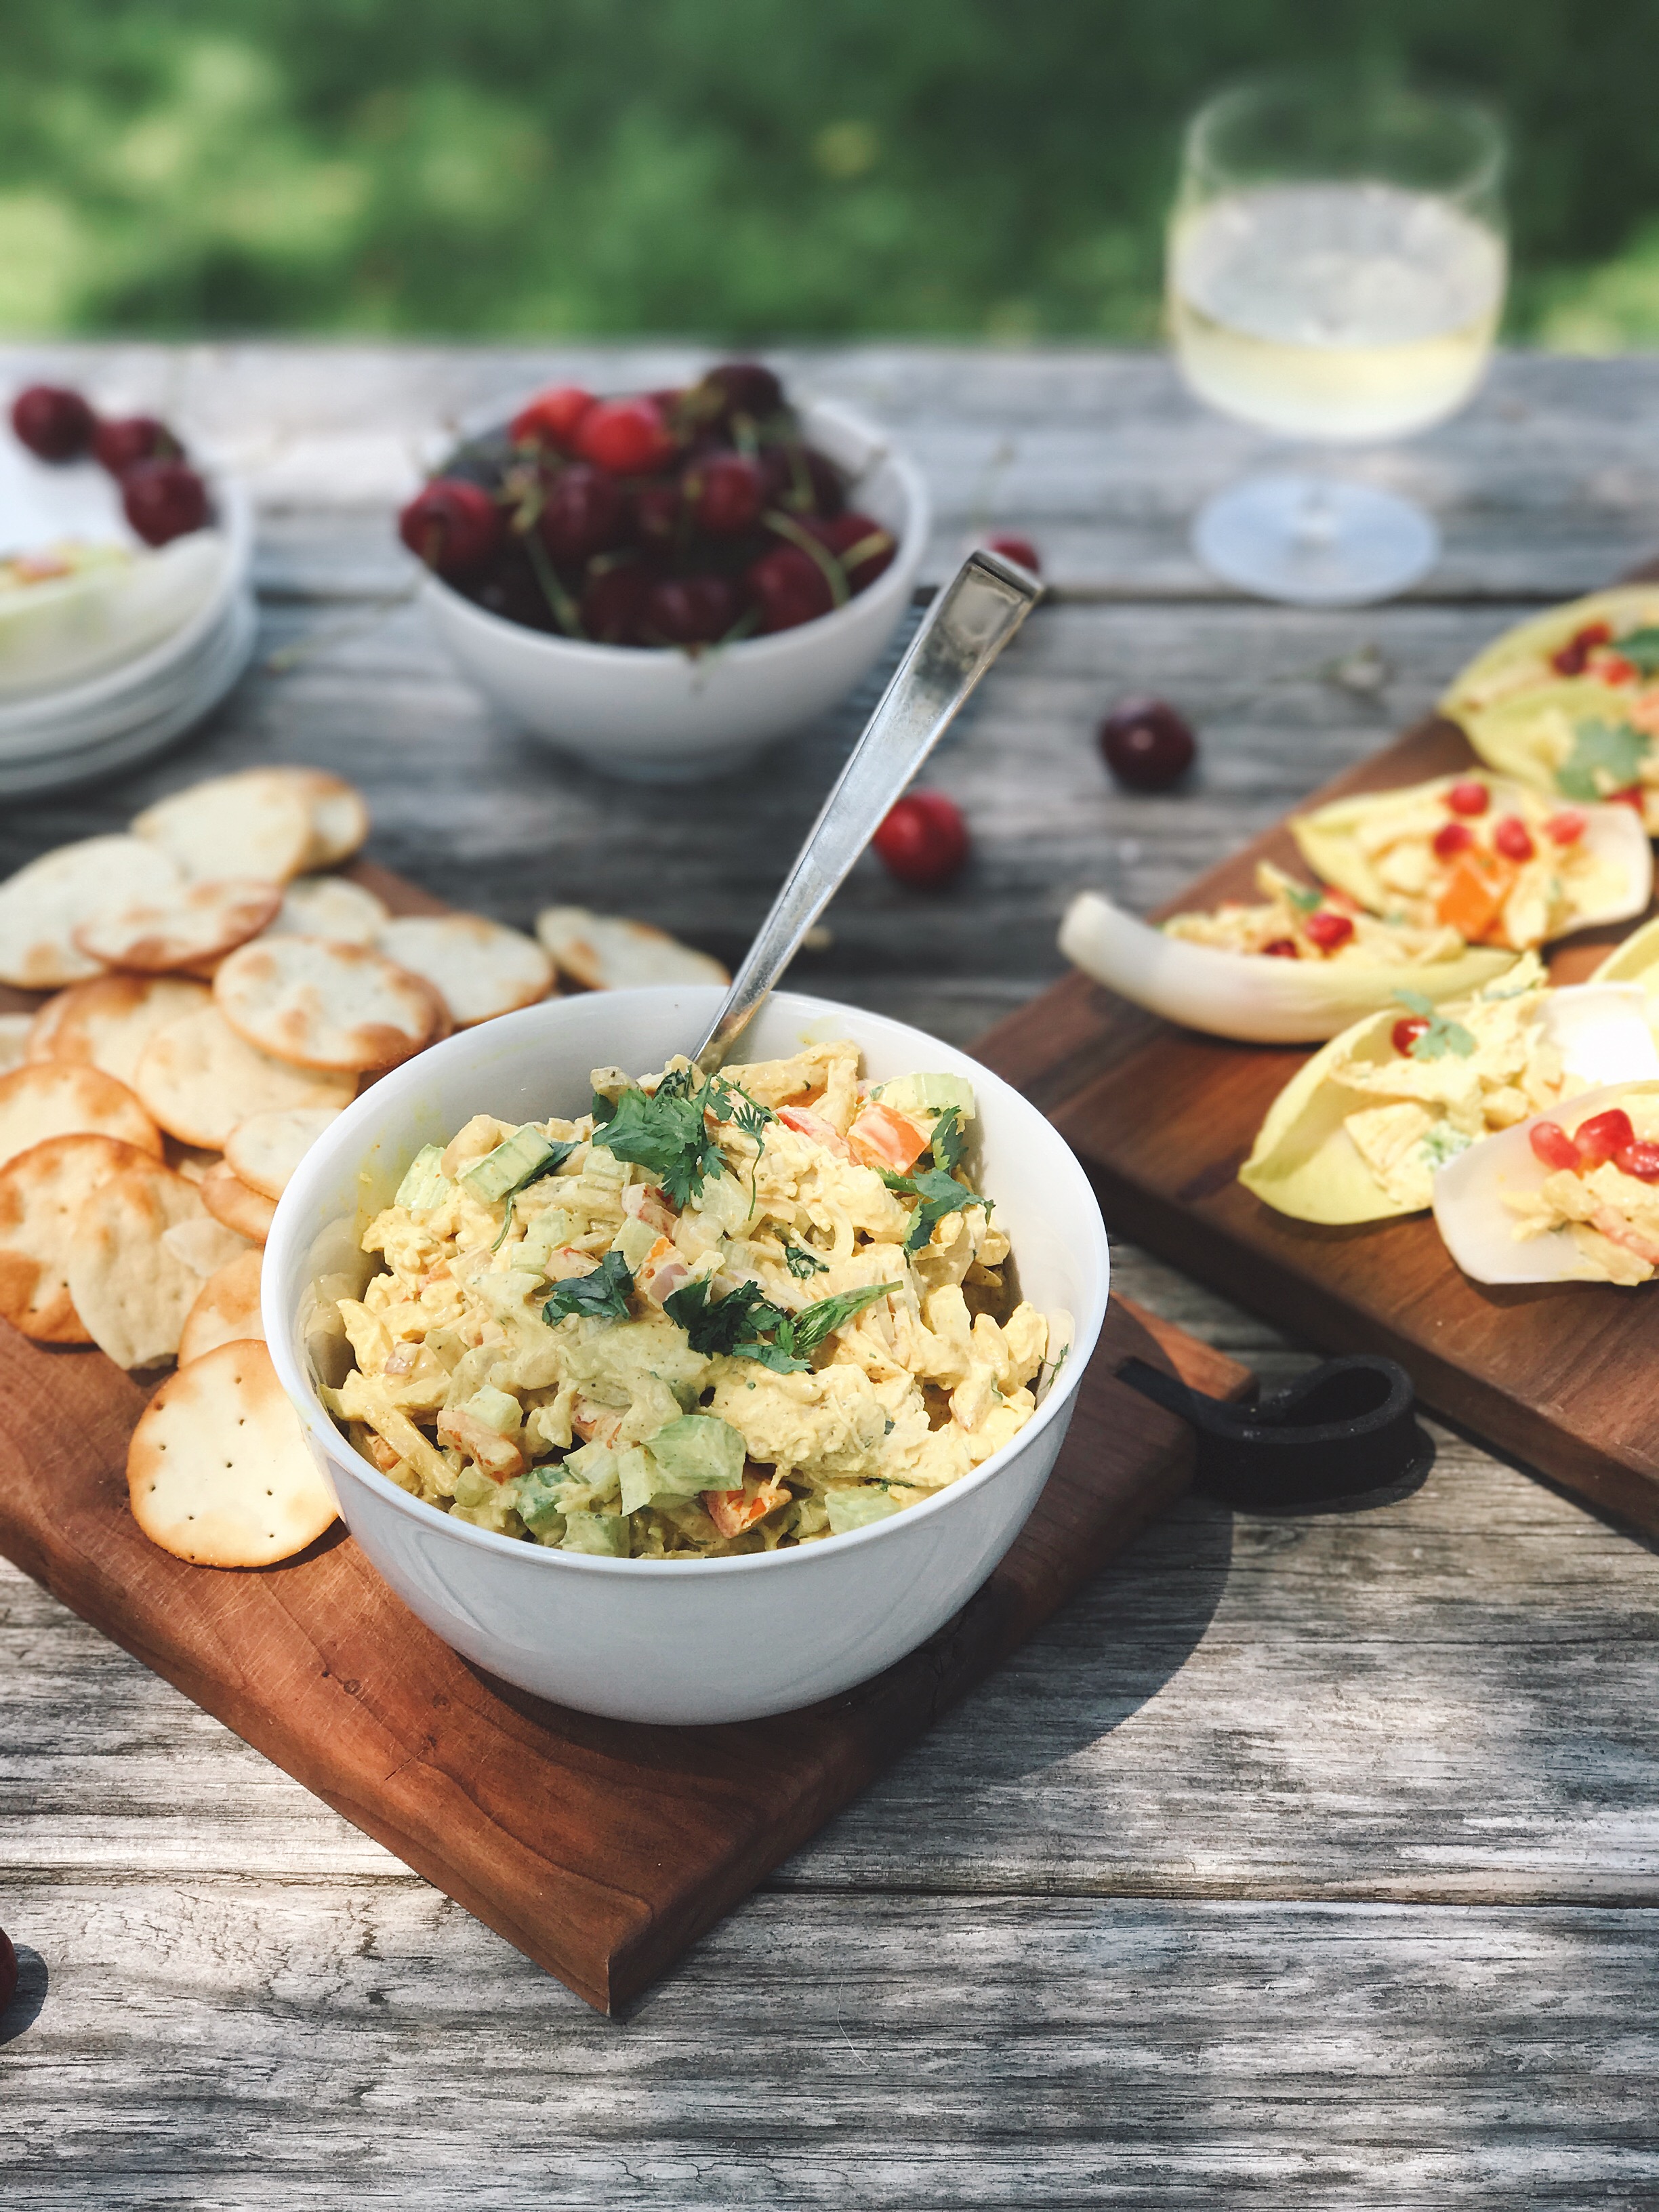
x=658, y=1640
x=665, y=717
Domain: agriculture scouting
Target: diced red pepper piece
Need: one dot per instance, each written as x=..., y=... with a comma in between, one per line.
x=1455, y=838
x=1512, y=839
x=1328, y=930
x=1468, y=797
x=732, y=1511
x=1407, y=1030
x=1603, y=1137
x=806, y=1123
x=1615, y=669
x=1573, y=655
x=880, y=1138
x=1567, y=827
x=1282, y=948
x=1552, y=1144
x=1640, y=1159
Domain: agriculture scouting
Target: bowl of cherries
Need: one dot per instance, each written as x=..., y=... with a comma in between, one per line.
x=663, y=582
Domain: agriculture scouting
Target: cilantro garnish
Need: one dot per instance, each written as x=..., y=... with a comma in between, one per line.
x=1616, y=750
x=1641, y=649
x=936, y=1185
x=800, y=1262
x=601, y=1296
x=746, y=1325
x=1441, y=1036
x=667, y=1134
x=1305, y=901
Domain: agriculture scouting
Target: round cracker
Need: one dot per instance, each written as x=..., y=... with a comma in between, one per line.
x=266, y=1148
x=43, y=904
x=198, y=1078
x=230, y=1201
x=226, y=1309
x=132, y=1273
x=14, y=1040
x=603, y=953
x=330, y=906
x=257, y=823
x=108, y=1022
x=219, y=1471
x=479, y=968
x=321, y=1004
x=55, y=1098
x=41, y=1194
x=186, y=927
x=340, y=817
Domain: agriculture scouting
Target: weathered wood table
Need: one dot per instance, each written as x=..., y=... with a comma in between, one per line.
x=1305, y=1861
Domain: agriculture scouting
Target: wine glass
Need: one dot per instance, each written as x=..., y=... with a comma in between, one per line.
x=1336, y=268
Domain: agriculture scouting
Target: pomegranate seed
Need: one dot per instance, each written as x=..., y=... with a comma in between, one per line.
x=1468, y=797
x=627, y=436
x=860, y=543
x=692, y=610
x=1282, y=948
x=1147, y=745
x=552, y=418
x=1017, y=548
x=748, y=388
x=55, y=424
x=1640, y=1159
x=164, y=499
x=1573, y=656
x=1328, y=930
x=613, y=603
x=1567, y=827
x=923, y=840
x=1603, y=1136
x=1405, y=1032
x=1512, y=839
x=453, y=525
x=1552, y=1145
x=121, y=444
x=789, y=588
x=586, y=513
x=1453, y=838
x=727, y=493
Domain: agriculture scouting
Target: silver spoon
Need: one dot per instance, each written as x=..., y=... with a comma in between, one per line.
x=965, y=628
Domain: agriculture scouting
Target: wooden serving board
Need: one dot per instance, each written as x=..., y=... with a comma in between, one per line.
x=600, y=1848
x=1558, y=1376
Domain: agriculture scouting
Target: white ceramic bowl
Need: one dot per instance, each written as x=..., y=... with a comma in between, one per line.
x=664, y=717
x=656, y=1640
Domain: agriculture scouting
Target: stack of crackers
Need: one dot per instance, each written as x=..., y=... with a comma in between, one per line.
x=220, y=995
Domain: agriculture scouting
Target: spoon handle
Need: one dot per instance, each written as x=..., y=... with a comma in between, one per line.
x=963, y=631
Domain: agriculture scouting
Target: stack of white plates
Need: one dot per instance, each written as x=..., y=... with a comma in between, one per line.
x=76, y=731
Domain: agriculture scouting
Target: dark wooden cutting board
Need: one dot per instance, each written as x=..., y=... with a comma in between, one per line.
x=1163, y=1118
x=600, y=1848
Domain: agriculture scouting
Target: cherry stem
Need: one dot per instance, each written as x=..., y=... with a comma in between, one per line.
x=564, y=607
x=834, y=575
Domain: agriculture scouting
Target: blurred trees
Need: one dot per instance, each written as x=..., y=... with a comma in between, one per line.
x=737, y=168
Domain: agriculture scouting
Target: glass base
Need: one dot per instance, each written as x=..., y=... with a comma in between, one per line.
x=1314, y=541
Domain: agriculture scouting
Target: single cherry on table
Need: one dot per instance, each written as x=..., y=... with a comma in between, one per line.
x=922, y=840
x=56, y=424
x=1147, y=744
x=1016, y=549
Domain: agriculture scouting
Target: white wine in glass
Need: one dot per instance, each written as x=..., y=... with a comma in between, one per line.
x=1336, y=274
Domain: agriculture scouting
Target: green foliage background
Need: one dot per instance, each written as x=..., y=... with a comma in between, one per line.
x=735, y=168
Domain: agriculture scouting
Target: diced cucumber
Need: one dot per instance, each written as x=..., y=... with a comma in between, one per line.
x=539, y=1505
x=634, y=1240
x=546, y=1233
x=424, y=1184
x=927, y=1094
x=519, y=1160
x=698, y=1452
x=857, y=1507
x=604, y=1534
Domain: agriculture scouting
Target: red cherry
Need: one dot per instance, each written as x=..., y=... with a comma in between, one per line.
x=747, y=387
x=1552, y=1145
x=1512, y=840
x=1451, y=839
x=1016, y=549
x=658, y=508
x=1602, y=1137
x=1640, y=1159
x=586, y=512
x=1282, y=948
x=164, y=499
x=801, y=481
x=8, y=1970
x=627, y=436
x=510, y=587
x=551, y=418
x=121, y=444
x=1406, y=1031
x=789, y=588
x=860, y=543
x=1567, y=827
x=453, y=525
x=1574, y=655
x=1146, y=744
x=727, y=492
x=1328, y=930
x=1468, y=797
x=923, y=840
x=613, y=603
x=692, y=610
x=55, y=424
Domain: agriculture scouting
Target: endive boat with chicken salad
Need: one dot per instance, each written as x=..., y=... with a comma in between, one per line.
x=712, y=1316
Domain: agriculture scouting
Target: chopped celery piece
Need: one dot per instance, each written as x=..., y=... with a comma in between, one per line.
x=604, y=1534
x=698, y=1452
x=424, y=1183
x=927, y=1094
x=497, y=1409
x=857, y=1508
x=526, y=1155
